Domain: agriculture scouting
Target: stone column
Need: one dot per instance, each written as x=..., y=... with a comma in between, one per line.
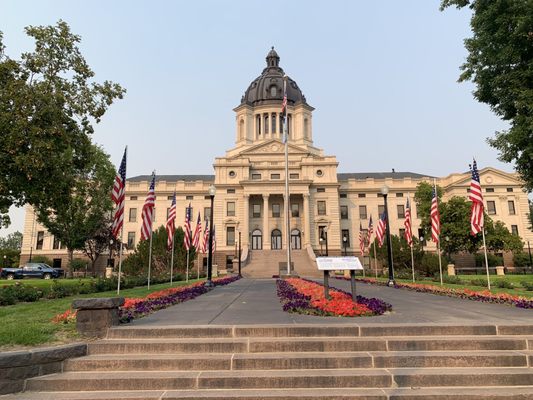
x=307, y=221
x=246, y=221
x=266, y=228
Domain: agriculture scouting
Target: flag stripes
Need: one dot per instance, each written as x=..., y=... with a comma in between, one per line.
x=380, y=230
x=171, y=222
x=206, y=237
x=187, y=228
x=148, y=211
x=475, y=195
x=435, y=217
x=197, y=233
x=118, y=195
x=362, y=239
x=407, y=224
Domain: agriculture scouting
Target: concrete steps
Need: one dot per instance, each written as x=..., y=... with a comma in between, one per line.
x=265, y=263
x=299, y=362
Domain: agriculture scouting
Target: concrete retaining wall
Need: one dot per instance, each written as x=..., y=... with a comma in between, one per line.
x=17, y=366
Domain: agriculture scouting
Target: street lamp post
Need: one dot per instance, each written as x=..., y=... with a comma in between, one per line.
x=324, y=238
x=209, y=283
x=240, y=250
x=5, y=261
x=110, y=262
x=345, y=243
x=385, y=192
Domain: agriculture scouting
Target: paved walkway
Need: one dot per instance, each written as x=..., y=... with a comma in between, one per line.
x=254, y=301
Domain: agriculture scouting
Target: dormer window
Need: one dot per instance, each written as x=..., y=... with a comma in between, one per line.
x=273, y=91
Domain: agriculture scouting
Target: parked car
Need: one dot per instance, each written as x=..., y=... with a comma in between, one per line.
x=32, y=270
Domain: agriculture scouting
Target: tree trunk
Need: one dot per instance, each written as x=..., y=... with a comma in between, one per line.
x=70, y=253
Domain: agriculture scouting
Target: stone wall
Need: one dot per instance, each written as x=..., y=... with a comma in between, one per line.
x=17, y=366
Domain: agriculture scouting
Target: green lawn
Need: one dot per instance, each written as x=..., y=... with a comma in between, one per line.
x=515, y=279
x=29, y=324
x=44, y=283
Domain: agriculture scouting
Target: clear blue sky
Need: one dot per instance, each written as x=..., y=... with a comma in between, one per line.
x=382, y=76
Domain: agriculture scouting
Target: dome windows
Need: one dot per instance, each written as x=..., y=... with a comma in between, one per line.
x=273, y=91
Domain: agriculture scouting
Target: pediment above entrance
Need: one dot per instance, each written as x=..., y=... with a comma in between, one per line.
x=272, y=147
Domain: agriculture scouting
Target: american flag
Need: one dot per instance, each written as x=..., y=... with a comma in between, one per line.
x=206, y=237
x=214, y=239
x=380, y=231
x=197, y=233
x=407, y=224
x=187, y=228
x=118, y=194
x=370, y=229
x=362, y=239
x=148, y=211
x=475, y=195
x=171, y=222
x=284, y=111
x=435, y=217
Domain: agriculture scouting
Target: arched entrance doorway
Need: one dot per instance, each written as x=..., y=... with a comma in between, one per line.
x=296, y=239
x=276, y=240
x=257, y=240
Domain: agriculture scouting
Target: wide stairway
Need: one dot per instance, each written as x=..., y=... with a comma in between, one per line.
x=265, y=263
x=299, y=362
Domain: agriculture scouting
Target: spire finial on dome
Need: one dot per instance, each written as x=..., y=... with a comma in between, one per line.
x=272, y=58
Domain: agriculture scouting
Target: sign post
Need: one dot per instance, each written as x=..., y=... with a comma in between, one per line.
x=327, y=264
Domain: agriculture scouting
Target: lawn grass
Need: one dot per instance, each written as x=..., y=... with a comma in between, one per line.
x=516, y=279
x=29, y=324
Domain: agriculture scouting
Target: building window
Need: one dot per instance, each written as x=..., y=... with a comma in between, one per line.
x=191, y=212
x=231, y=209
x=344, y=212
x=230, y=236
x=362, y=212
x=401, y=210
x=189, y=197
x=273, y=93
x=168, y=211
x=319, y=172
x=361, y=195
x=57, y=243
x=320, y=190
x=276, y=210
x=273, y=118
x=399, y=194
x=345, y=234
x=133, y=215
x=275, y=176
x=491, y=207
x=256, y=177
x=281, y=123
x=170, y=198
x=381, y=209
x=514, y=229
x=343, y=195
x=423, y=240
x=294, y=176
x=489, y=190
x=266, y=123
x=131, y=240
x=402, y=233
x=321, y=207
x=509, y=189
x=133, y=197
x=207, y=213
x=256, y=210
x=512, y=210
x=231, y=174
x=258, y=124
x=231, y=191
x=295, y=210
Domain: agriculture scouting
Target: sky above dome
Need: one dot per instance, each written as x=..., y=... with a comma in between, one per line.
x=381, y=75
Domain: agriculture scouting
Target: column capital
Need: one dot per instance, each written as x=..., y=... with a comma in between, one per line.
x=306, y=195
x=266, y=196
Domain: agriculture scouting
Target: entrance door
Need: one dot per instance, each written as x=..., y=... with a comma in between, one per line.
x=257, y=240
x=296, y=239
x=276, y=239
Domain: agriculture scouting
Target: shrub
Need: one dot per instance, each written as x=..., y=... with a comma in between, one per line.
x=59, y=290
x=78, y=264
x=493, y=260
x=479, y=282
x=429, y=264
x=15, y=293
x=403, y=274
x=86, y=287
x=455, y=280
x=504, y=284
x=521, y=260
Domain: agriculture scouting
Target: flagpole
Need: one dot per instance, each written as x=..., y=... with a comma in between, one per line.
x=187, y=269
x=375, y=259
x=150, y=253
x=198, y=265
x=486, y=258
x=172, y=261
x=122, y=230
x=412, y=262
x=438, y=232
x=440, y=262
x=287, y=198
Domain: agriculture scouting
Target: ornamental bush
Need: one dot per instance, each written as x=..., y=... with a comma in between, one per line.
x=493, y=260
x=521, y=260
x=479, y=282
x=503, y=284
x=13, y=294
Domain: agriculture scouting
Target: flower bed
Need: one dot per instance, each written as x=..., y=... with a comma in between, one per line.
x=485, y=296
x=307, y=297
x=139, y=307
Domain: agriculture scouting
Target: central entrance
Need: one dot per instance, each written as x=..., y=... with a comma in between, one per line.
x=276, y=240
x=257, y=240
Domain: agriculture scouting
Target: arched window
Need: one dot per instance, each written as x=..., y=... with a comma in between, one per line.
x=273, y=91
x=289, y=125
x=296, y=239
x=266, y=123
x=241, y=129
x=276, y=239
x=273, y=119
x=258, y=124
x=257, y=240
x=306, y=128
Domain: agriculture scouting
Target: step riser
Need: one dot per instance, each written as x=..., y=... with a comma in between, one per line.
x=456, y=345
x=164, y=348
x=298, y=363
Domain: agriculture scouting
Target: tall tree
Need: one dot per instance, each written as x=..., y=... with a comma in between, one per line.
x=500, y=64
x=80, y=212
x=423, y=196
x=100, y=242
x=48, y=104
x=13, y=241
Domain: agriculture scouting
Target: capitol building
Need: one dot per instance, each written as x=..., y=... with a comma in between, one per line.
x=250, y=191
